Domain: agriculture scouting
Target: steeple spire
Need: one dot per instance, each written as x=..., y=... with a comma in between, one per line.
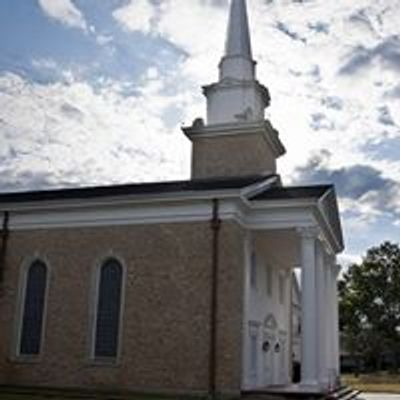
x=238, y=42
x=237, y=96
x=237, y=62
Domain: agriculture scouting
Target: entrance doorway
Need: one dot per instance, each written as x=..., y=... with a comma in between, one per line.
x=270, y=354
x=269, y=358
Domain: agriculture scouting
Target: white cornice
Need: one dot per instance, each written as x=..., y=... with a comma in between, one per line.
x=264, y=128
x=258, y=187
x=331, y=227
x=227, y=129
x=122, y=214
x=119, y=201
x=267, y=215
x=299, y=213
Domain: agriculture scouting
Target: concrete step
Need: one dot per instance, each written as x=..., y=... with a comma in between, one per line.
x=339, y=393
x=353, y=395
x=343, y=393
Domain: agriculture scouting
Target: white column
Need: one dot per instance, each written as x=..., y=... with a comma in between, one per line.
x=309, y=333
x=335, y=322
x=245, y=323
x=333, y=326
x=329, y=314
x=322, y=300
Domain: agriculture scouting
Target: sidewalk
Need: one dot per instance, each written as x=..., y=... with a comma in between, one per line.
x=379, y=396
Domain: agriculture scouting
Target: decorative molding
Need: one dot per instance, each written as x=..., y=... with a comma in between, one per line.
x=270, y=322
x=121, y=201
x=288, y=216
x=308, y=232
x=330, y=259
x=254, y=324
x=258, y=187
x=300, y=214
x=263, y=127
x=329, y=216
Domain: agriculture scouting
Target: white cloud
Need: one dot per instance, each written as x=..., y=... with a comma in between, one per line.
x=70, y=134
x=137, y=15
x=44, y=63
x=197, y=28
x=345, y=260
x=104, y=40
x=64, y=11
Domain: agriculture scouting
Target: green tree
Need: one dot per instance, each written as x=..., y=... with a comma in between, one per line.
x=370, y=306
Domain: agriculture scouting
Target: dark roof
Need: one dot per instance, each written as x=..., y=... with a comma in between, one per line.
x=295, y=192
x=133, y=189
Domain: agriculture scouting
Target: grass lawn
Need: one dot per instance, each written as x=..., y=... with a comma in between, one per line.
x=378, y=382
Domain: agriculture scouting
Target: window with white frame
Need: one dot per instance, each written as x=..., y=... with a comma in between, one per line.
x=30, y=338
x=108, y=310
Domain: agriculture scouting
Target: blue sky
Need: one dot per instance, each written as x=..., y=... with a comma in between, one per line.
x=95, y=92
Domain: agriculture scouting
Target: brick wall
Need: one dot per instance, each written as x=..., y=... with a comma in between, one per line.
x=165, y=331
x=214, y=156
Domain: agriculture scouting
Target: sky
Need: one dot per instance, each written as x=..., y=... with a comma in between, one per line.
x=95, y=92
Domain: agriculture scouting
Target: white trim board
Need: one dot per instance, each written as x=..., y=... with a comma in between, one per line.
x=285, y=214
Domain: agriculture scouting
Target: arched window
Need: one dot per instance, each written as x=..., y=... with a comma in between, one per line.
x=108, y=310
x=33, y=309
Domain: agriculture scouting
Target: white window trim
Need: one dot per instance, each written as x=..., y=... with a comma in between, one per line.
x=93, y=310
x=16, y=355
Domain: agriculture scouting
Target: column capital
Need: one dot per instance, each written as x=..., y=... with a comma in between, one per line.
x=336, y=268
x=308, y=232
x=330, y=259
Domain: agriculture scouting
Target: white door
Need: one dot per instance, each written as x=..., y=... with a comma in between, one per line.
x=277, y=349
x=268, y=358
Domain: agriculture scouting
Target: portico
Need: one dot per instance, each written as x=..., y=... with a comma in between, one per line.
x=304, y=233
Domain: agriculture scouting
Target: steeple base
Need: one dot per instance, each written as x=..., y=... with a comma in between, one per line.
x=234, y=149
x=235, y=101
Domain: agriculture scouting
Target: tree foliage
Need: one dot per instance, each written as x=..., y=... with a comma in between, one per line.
x=370, y=305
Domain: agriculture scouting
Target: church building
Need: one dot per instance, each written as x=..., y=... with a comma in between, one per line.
x=181, y=287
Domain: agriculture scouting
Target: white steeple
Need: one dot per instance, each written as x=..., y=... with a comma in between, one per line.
x=237, y=96
x=238, y=36
x=236, y=140
x=238, y=61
